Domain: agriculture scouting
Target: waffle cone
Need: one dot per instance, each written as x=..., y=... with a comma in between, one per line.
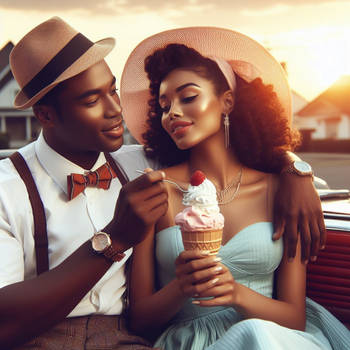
x=202, y=240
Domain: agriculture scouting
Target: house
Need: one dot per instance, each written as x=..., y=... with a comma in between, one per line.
x=330, y=112
x=306, y=126
x=17, y=128
x=298, y=103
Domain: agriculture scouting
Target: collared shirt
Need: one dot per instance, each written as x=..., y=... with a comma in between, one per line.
x=69, y=224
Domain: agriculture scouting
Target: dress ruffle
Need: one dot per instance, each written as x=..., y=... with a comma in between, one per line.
x=199, y=332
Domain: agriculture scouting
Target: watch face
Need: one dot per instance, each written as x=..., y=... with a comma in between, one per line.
x=101, y=241
x=303, y=167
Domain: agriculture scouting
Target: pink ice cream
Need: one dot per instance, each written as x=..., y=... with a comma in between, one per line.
x=202, y=210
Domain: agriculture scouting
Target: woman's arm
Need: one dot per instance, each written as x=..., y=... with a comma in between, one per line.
x=150, y=310
x=289, y=308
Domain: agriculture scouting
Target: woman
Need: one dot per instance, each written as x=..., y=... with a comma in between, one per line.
x=220, y=103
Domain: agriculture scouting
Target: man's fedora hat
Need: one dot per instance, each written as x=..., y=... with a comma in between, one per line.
x=49, y=54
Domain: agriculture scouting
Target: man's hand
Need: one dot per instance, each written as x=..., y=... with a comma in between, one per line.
x=297, y=209
x=140, y=205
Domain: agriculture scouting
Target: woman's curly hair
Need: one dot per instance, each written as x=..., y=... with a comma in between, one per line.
x=260, y=133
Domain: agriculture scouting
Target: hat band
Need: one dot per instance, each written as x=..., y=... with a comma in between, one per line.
x=226, y=70
x=75, y=48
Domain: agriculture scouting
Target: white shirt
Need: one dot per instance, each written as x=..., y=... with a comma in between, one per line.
x=69, y=223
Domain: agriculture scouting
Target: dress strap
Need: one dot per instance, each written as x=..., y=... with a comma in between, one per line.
x=40, y=232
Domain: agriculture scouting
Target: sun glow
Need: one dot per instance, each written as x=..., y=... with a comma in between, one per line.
x=331, y=59
x=318, y=57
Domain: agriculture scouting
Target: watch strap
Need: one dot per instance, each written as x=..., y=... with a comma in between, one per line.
x=109, y=251
x=112, y=254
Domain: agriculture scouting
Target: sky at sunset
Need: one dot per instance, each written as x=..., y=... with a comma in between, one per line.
x=312, y=36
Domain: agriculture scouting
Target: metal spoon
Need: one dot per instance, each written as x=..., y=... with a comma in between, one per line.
x=166, y=180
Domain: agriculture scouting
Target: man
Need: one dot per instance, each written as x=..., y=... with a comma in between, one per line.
x=72, y=90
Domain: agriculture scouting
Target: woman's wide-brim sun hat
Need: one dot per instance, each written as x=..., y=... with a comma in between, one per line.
x=238, y=49
x=49, y=54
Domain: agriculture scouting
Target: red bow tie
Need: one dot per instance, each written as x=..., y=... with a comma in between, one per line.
x=100, y=178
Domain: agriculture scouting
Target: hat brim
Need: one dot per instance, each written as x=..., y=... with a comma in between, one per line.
x=209, y=41
x=93, y=55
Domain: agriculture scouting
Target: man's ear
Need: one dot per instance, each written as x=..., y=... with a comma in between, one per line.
x=228, y=101
x=46, y=115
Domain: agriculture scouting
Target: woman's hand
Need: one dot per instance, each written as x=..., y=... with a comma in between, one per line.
x=196, y=272
x=224, y=291
x=297, y=209
x=203, y=276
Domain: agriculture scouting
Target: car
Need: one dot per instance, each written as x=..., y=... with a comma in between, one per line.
x=328, y=278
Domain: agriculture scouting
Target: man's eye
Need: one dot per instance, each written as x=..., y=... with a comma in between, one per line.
x=91, y=103
x=189, y=99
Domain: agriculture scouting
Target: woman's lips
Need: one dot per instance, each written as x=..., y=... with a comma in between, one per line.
x=179, y=128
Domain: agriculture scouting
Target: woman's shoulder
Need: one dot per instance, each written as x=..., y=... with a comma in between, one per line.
x=253, y=179
x=251, y=176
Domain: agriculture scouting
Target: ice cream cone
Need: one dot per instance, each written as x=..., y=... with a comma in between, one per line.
x=203, y=240
x=201, y=222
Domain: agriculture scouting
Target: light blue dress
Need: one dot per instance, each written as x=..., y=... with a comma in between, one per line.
x=252, y=257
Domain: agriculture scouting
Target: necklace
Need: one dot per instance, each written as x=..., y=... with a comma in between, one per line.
x=225, y=195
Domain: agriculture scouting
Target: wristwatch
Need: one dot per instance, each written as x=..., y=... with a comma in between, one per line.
x=102, y=244
x=299, y=167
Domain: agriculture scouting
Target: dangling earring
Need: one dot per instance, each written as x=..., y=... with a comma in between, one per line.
x=227, y=130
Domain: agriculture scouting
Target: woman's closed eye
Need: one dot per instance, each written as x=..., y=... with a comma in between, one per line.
x=189, y=99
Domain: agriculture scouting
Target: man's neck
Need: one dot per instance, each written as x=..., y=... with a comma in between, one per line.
x=84, y=159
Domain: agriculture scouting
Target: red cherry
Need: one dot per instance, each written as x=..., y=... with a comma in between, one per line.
x=197, y=178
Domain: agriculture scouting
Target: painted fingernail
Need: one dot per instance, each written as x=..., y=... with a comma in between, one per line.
x=313, y=258
x=214, y=280
x=205, y=252
x=195, y=302
x=218, y=268
x=163, y=174
x=324, y=246
x=217, y=259
x=305, y=261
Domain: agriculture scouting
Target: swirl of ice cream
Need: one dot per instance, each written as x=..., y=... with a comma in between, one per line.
x=202, y=210
x=202, y=196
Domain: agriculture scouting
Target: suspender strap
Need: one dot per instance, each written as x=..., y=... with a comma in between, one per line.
x=40, y=233
x=121, y=176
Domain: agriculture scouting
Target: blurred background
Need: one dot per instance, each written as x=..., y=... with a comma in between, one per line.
x=311, y=39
